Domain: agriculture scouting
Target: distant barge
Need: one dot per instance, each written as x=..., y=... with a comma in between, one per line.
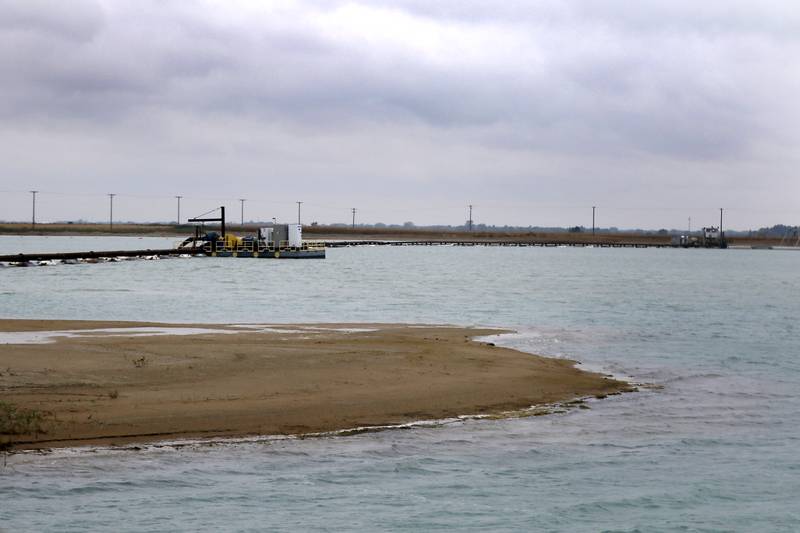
x=711, y=237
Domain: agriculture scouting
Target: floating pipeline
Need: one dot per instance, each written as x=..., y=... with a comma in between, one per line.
x=304, y=252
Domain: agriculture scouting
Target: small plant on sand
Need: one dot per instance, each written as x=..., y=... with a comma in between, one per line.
x=19, y=421
x=114, y=394
x=140, y=362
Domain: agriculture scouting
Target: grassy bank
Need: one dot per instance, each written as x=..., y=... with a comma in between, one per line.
x=154, y=230
x=346, y=233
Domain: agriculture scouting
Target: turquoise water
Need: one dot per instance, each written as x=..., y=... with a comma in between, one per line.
x=713, y=447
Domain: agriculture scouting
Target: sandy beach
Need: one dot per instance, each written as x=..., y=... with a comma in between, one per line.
x=130, y=382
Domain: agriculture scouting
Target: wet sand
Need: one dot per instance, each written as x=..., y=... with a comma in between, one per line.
x=112, y=388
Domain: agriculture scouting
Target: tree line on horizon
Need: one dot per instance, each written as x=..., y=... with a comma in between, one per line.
x=775, y=231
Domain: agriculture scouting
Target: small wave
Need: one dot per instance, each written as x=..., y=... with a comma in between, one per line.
x=691, y=377
x=90, y=289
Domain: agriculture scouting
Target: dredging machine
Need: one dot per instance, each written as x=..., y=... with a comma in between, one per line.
x=275, y=241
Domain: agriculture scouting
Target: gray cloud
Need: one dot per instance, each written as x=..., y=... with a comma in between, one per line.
x=552, y=98
x=77, y=21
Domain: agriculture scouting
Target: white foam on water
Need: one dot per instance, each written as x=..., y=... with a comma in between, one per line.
x=179, y=443
x=539, y=343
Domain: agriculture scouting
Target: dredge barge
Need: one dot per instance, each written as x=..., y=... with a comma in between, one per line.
x=276, y=241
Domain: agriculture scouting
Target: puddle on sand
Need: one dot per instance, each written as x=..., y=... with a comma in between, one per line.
x=46, y=337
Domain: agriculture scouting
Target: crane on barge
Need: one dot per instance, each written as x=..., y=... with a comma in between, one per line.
x=274, y=241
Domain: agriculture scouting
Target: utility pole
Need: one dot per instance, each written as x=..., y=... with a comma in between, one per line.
x=354, y=218
x=720, y=228
x=111, y=211
x=33, y=217
x=470, y=218
x=179, y=209
x=298, y=211
x=242, y=200
x=690, y=225
x=593, y=209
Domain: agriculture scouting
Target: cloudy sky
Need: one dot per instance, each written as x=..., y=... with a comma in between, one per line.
x=407, y=110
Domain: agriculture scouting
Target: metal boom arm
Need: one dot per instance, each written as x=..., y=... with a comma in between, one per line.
x=221, y=220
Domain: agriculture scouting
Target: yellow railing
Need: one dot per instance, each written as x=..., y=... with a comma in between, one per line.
x=305, y=245
x=221, y=246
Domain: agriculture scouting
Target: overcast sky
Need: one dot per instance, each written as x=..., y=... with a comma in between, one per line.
x=407, y=110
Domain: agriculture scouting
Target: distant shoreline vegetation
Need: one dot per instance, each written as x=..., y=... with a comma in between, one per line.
x=778, y=231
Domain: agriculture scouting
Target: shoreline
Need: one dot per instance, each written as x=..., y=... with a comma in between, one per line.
x=125, y=383
x=336, y=233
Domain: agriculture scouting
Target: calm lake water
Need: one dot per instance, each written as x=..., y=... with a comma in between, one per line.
x=714, y=446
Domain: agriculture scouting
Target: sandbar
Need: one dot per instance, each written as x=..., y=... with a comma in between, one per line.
x=105, y=383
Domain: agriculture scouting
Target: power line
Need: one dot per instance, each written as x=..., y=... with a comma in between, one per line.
x=416, y=208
